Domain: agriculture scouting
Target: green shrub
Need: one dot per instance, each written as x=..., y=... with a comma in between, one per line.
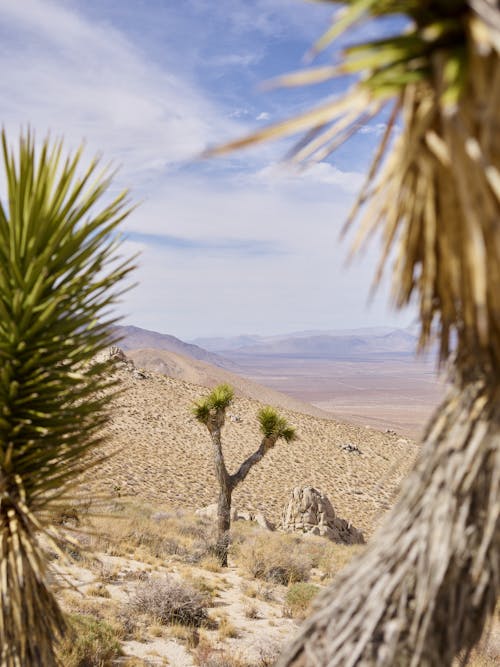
x=298, y=599
x=89, y=643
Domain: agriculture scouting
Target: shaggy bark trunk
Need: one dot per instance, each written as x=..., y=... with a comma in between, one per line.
x=215, y=424
x=422, y=590
x=223, y=523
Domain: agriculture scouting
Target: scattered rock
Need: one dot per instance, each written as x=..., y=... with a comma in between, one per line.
x=352, y=449
x=309, y=511
x=258, y=517
x=236, y=419
x=390, y=431
x=210, y=511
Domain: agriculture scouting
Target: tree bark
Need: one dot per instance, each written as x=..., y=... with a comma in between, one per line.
x=223, y=524
x=424, y=587
x=215, y=424
x=240, y=475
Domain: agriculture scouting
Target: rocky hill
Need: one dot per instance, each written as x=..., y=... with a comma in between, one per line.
x=162, y=455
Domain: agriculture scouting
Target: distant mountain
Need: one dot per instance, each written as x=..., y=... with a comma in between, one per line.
x=213, y=344
x=348, y=344
x=135, y=338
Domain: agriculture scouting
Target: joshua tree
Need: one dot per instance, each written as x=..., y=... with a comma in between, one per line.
x=56, y=287
x=427, y=582
x=211, y=411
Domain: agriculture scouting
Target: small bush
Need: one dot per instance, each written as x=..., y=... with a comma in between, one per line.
x=275, y=558
x=90, y=643
x=227, y=630
x=298, y=599
x=169, y=601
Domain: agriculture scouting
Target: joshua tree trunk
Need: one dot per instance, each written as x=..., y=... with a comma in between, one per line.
x=223, y=523
x=215, y=424
x=424, y=587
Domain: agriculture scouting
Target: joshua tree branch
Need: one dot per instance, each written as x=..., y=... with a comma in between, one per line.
x=240, y=475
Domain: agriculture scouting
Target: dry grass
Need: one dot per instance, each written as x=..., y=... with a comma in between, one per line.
x=91, y=643
x=274, y=557
x=227, y=630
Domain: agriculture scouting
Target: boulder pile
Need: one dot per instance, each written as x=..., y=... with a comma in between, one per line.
x=310, y=511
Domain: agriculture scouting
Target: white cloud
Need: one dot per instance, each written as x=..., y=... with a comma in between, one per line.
x=264, y=115
x=84, y=79
x=235, y=59
x=374, y=128
x=321, y=173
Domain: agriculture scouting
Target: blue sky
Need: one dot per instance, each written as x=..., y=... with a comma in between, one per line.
x=227, y=246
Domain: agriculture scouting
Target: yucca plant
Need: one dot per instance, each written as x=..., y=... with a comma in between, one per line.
x=58, y=277
x=211, y=411
x=425, y=586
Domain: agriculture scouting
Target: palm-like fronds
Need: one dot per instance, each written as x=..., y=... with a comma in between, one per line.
x=437, y=195
x=272, y=425
x=57, y=284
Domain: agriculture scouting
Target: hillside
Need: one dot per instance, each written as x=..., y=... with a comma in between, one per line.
x=208, y=375
x=164, y=455
x=134, y=338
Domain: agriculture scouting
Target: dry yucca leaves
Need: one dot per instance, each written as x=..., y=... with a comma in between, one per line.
x=58, y=279
x=434, y=187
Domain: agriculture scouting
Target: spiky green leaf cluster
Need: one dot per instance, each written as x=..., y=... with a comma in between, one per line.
x=273, y=425
x=220, y=398
x=58, y=278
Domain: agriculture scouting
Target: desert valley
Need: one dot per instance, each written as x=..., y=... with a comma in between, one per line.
x=142, y=582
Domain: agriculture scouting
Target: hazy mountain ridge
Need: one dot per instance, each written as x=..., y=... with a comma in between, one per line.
x=348, y=344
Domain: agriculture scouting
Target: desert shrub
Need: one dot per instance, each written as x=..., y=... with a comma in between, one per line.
x=298, y=599
x=169, y=601
x=227, y=630
x=277, y=558
x=90, y=643
x=331, y=558
x=209, y=656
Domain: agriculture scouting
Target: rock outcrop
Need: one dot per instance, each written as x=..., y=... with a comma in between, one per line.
x=309, y=511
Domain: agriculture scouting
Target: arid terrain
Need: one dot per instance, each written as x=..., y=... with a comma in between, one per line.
x=388, y=393
x=143, y=587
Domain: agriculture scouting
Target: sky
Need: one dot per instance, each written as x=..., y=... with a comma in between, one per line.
x=233, y=245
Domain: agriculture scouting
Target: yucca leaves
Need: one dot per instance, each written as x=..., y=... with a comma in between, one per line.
x=219, y=399
x=58, y=282
x=273, y=425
